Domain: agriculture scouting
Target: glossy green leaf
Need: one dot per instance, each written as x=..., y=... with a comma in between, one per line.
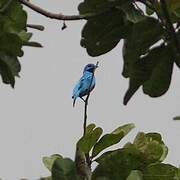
x=135, y=175
x=64, y=169
x=94, y=6
x=160, y=172
x=32, y=44
x=89, y=140
x=90, y=128
x=49, y=161
x=25, y=36
x=160, y=79
x=11, y=44
x=101, y=34
x=153, y=71
x=118, y=164
x=9, y=68
x=14, y=18
x=6, y=73
x=12, y=62
x=152, y=146
x=132, y=14
x=110, y=139
x=143, y=35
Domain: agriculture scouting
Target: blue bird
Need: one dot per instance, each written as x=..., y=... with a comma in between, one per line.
x=85, y=84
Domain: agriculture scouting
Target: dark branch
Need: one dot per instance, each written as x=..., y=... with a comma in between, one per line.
x=58, y=16
x=86, y=103
x=34, y=26
x=88, y=159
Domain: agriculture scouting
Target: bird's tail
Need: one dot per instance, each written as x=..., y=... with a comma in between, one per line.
x=74, y=101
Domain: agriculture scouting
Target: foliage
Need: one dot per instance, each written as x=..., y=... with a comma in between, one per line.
x=13, y=36
x=147, y=50
x=140, y=160
x=151, y=47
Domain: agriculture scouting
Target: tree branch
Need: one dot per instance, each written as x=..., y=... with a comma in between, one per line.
x=58, y=16
x=35, y=26
x=88, y=159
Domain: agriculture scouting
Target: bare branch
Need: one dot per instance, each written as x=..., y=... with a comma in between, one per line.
x=58, y=16
x=35, y=26
x=88, y=159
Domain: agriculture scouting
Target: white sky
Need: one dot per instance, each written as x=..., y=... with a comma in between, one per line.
x=37, y=118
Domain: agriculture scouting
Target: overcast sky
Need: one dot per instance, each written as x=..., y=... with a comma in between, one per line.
x=37, y=118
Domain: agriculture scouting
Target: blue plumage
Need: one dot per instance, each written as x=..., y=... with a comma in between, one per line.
x=85, y=84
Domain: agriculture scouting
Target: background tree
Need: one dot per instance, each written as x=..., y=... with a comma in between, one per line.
x=151, y=47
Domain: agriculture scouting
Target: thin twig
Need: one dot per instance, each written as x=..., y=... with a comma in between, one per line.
x=58, y=16
x=34, y=26
x=86, y=103
x=88, y=159
x=170, y=29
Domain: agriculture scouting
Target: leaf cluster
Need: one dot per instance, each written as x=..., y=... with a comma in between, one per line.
x=13, y=36
x=140, y=160
x=148, y=50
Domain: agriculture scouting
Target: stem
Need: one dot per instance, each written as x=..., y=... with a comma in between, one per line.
x=37, y=27
x=88, y=159
x=58, y=16
x=86, y=104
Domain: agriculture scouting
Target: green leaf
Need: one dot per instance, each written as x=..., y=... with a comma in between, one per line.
x=89, y=140
x=152, y=146
x=9, y=68
x=6, y=73
x=110, y=139
x=143, y=35
x=101, y=34
x=118, y=164
x=32, y=44
x=176, y=118
x=90, y=128
x=46, y=178
x=64, y=169
x=135, y=175
x=160, y=79
x=160, y=172
x=149, y=11
x=173, y=4
x=11, y=44
x=132, y=14
x=94, y=6
x=12, y=62
x=49, y=161
x=14, y=17
x=153, y=71
x=25, y=36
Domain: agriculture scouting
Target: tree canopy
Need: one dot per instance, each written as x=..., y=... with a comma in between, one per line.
x=150, y=30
